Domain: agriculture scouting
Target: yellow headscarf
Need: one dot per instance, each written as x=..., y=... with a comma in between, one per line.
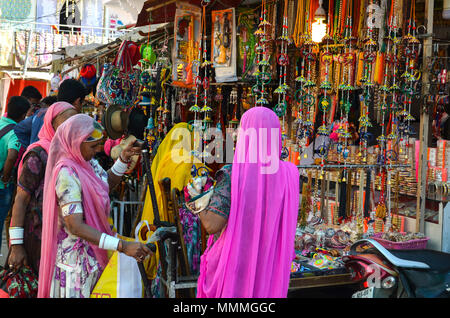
x=164, y=167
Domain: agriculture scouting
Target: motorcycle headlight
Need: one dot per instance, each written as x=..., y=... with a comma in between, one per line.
x=388, y=282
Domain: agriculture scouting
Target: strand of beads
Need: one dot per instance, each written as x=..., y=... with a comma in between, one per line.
x=395, y=90
x=370, y=47
x=308, y=99
x=346, y=89
x=325, y=102
x=164, y=101
x=263, y=77
x=410, y=76
x=300, y=133
x=283, y=61
x=196, y=64
x=391, y=59
x=205, y=64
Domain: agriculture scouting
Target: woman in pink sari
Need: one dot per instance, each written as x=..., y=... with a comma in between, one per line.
x=253, y=255
x=76, y=233
x=26, y=224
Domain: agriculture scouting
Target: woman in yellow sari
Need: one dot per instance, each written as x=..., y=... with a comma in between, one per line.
x=173, y=160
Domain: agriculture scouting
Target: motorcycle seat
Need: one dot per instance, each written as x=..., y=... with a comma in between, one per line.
x=437, y=261
x=393, y=259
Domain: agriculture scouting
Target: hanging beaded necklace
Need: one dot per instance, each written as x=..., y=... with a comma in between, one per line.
x=263, y=77
x=283, y=61
x=370, y=48
x=205, y=64
x=326, y=59
x=346, y=88
x=410, y=76
x=196, y=65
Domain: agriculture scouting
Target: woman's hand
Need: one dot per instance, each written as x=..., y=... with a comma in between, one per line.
x=134, y=249
x=130, y=150
x=17, y=257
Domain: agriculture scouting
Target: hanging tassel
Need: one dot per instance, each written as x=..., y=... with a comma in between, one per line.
x=342, y=197
x=360, y=70
x=379, y=68
x=367, y=195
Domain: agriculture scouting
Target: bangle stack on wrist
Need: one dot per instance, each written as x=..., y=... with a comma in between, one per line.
x=16, y=235
x=119, y=168
x=108, y=242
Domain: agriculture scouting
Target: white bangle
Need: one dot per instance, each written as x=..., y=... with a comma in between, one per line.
x=16, y=235
x=119, y=168
x=108, y=242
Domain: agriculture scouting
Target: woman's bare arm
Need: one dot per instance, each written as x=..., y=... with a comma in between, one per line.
x=212, y=222
x=77, y=227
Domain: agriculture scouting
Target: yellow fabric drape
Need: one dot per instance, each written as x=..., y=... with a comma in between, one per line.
x=164, y=167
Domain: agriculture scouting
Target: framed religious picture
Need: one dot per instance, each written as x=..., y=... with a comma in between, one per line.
x=223, y=44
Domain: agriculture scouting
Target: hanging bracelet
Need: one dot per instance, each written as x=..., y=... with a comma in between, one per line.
x=108, y=242
x=16, y=235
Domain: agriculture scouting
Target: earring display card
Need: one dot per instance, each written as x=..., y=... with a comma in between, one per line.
x=223, y=46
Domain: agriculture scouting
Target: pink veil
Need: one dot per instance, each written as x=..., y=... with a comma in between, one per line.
x=65, y=151
x=252, y=257
x=47, y=132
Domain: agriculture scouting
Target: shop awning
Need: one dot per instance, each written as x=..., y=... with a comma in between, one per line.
x=164, y=11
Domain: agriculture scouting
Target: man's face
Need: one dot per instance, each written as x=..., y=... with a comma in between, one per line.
x=34, y=101
x=35, y=105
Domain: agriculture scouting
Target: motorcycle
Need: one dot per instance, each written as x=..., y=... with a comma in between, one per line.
x=384, y=273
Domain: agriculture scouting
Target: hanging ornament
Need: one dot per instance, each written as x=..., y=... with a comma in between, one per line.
x=262, y=76
x=346, y=59
x=369, y=55
x=283, y=61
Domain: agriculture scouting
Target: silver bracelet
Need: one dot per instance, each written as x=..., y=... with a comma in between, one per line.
x=119, y=168
x=16, y=235
x=108, y=242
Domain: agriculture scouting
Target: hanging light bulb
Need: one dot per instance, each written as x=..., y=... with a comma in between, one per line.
x=319, y=26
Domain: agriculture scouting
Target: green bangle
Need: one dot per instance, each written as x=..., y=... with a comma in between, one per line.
x=308, y=100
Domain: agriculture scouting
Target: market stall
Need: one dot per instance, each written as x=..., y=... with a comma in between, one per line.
x=358, y=86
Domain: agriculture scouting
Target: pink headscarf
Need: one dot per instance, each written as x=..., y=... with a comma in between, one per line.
x=47, y=132
x=253, y=256
x=65, y=152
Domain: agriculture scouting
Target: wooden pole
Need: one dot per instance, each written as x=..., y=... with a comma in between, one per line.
x=424, y=119
x=160, y=5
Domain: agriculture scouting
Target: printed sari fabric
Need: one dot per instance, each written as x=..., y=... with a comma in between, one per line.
x=219, y=204
x=77, y=270
x=64, y=154
x=31, y=180
x=31, y=176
